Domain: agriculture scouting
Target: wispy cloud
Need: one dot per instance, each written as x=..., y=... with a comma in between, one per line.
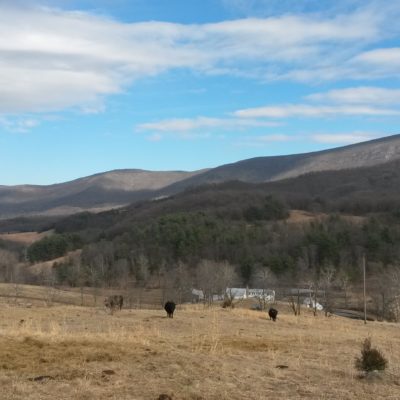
x=381, y=57
x=264, y=140
x=278, y=137
x=374, y=96
x=183, y=135
x=271, y=7
x=53, y=59
x=349, y=102
x=156, y=137
x=337, y=138
x=376, y=63
x=18, y=125
x=353, y=101
x=203, y=124
x=344, y=138
x=314, y=111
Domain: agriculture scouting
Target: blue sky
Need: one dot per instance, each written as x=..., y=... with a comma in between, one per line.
x=89, y=86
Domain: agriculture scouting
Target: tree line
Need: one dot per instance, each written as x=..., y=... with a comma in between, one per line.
x=149, y=243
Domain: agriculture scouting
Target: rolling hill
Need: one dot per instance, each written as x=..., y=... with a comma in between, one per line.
x=120, y=187
x=94, y=193
x=352, y=192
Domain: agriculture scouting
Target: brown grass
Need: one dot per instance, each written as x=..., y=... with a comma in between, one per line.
x=45, y=267
x=26, y=238
x=302, y=217
x=199, y=354
x=22, y=295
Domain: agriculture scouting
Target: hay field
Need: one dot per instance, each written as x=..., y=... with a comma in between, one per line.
x=84, y=353
x=33, y=295
x=26, y=238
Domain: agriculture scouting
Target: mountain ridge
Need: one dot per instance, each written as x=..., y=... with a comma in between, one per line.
x=117, y=188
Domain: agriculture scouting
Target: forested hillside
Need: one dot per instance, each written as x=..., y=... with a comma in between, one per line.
x=241, y=233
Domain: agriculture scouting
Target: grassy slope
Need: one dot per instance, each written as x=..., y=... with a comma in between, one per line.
x=25, y=238
x=200, y=354
x=89, y=297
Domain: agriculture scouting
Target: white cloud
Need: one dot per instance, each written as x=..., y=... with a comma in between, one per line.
x=353, y=101
x=274, y=138
x=264, y=140
x=341, y=138
x=53, y=59
x=344, y=138
x=374, y=96
x=386, y=57
x=155, y=138
x=18, y=125
x=376, y=63
x=270, y=7
x=202, y=123
x=315, y=111
x=183, y=135
x=348, y=102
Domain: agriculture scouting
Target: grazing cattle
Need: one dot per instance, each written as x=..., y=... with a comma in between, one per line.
x=272, y=314
x=114, y=302
x=170, y=308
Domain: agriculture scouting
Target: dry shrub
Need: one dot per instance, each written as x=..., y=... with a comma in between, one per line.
x=371, y=359
x=228, y=302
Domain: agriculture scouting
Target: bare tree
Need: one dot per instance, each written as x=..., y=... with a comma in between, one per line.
x=394, y=302
x=121, y=268
x=294, y=302
x=166, y=280
x=226, y=278
x=343, y=280
x=78, y=274
x=16, y=279
x=142, y=270
x=50, y=289
x=384, y=289
x=8, y=261
x=207, y=279
x=313, y=282
x=263, y=279
x=294, y=293
x=327, y=278
x=182, y=280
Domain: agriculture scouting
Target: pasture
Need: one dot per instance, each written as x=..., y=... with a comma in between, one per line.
x=72, y=352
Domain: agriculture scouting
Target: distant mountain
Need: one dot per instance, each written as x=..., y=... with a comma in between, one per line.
x=94, y=193
x=265, y=169
x=121, y=187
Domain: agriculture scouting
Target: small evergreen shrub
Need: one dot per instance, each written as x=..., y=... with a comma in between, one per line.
x=371, y=359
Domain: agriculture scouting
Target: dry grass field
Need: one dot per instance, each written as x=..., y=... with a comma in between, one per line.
x=302, y=217
x=71, y=352
x=26, y=238
x=34, y=295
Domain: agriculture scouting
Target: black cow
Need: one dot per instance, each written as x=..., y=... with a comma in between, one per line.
x=113, y=302
x=170, y=308
x=272, y=314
